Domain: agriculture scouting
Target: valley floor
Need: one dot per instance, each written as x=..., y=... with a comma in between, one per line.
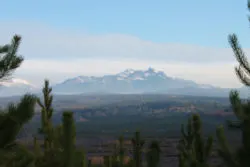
x=98, y=146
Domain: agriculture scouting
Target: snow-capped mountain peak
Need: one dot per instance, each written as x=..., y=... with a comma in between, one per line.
x=130, y=74
x=128, y=81
x=151, y=70
x=126, y=73
x=132, y=81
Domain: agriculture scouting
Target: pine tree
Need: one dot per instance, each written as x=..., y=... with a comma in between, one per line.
x=153, y=154
x=114, y=161
x=46, y=115
x=11, y=122
x=64, y=153
x=108, y=161
x=59, y=140
x=194, y=151
x=240, y=157
x=37, y=149
x=68, y=138
x=84, y=159
x=121, y=151
x=14, y=116
x=58, y=136
x=137, y=148
x=89, y=163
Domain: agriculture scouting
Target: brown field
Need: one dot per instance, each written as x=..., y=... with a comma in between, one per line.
x=97, y=148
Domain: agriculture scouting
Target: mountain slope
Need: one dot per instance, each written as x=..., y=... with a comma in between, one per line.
x=127, y=82
x=137, y=81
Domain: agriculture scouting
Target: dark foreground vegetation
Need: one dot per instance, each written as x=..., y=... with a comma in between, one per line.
x=58, y=144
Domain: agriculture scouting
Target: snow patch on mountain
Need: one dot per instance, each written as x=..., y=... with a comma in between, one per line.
x=126, y=82
x=125, y=74
x=138, y=78
x=16, y=82
x=131, y=74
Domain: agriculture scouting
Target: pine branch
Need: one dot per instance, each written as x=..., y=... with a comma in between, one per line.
x=4, y=49
x=243, y=70
x=10, y=61
x=193, y=149
x=224, y=151
x=15, y=117
x=68, y=138
x=236, y=104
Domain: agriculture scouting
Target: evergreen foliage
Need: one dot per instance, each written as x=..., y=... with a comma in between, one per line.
x=138, y=144
x=46, y=114
x=121, y=151
x=14, y=116
x=9, y=60
x=241, y=156
x=108, y=161
x=194, y=151
x=153, y=154
x=114, y=159
x=68, y=138
x=84, y=159
x=13, y=119
x=59, y=141
x=243, y=70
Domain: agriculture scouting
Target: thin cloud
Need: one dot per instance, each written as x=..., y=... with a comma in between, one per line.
x=40, y=41
x=58, y=54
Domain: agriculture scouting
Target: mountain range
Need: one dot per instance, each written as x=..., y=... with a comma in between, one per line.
x=127, y=82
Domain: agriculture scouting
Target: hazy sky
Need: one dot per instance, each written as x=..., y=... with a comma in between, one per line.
x=186, y=39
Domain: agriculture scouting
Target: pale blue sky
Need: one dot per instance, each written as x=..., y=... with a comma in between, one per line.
x=168, y=35
x=205, y=22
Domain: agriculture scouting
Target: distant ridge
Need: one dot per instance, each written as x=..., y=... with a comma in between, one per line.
x=132, y=81
x=129, y=81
